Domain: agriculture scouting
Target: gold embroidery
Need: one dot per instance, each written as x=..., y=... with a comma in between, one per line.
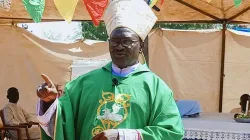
x=108, y=119
x=97, y=130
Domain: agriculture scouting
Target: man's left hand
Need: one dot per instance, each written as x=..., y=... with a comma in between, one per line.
x=111, y=134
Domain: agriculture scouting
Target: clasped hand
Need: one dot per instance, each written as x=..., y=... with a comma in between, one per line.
x=111, y=134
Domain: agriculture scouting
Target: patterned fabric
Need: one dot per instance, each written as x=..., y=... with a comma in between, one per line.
x=213, y=135
x=215, y=126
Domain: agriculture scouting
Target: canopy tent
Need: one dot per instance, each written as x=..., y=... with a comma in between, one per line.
x=191, y=68
x=171, y=11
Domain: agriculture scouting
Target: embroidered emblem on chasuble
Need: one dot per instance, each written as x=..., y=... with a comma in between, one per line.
x=112, y=111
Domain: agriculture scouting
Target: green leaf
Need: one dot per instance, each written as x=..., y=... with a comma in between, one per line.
x=35, y=8
x=237, y=3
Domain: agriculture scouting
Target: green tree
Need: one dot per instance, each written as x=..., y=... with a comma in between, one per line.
x=186, y=26
x=90, y=31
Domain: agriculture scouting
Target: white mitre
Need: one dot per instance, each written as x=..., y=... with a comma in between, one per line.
x=133, y=14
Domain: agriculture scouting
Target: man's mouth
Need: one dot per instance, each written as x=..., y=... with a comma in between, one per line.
x=119, y=55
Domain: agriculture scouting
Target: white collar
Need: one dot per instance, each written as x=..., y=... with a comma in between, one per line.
x=125, y=71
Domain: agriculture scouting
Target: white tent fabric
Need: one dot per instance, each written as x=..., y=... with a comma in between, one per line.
x=24, y=57
x=189, y=62
x=237, y=69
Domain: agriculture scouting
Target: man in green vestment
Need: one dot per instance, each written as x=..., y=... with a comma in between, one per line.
x=123, y=100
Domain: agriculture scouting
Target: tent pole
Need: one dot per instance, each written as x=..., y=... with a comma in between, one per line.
x=238, y=22
x=238, y=14
x=199, y=10
x=222, y=64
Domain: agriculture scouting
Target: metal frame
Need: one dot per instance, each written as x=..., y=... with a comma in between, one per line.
x=215, y=20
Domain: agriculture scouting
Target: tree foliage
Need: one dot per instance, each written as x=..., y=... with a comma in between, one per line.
x=90, y=31
x=186, y=26
x=99, y=33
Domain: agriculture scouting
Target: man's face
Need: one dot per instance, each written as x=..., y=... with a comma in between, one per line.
x=124, y=46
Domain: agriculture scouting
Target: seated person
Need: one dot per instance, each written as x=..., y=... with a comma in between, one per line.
x=15, y=115
x=243, y=102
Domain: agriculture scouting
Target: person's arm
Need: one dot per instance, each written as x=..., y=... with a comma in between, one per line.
x=47, y=106
x=28, y=117
x=56, y=115
x=9, y=117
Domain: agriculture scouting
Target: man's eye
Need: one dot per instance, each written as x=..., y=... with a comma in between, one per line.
x=127, y=42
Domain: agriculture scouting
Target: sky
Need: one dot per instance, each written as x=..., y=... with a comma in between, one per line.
x=56, y=31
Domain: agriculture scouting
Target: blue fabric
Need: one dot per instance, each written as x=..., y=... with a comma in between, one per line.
x=242, y=29
x=188, y=107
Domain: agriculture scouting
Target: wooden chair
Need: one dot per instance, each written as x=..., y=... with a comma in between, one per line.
x=6, y=128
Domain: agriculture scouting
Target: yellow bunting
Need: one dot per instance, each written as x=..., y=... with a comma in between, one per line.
x=153, y=3
x=66, y=8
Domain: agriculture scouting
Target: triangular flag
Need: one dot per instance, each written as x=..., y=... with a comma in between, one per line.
x=208, y=1
x=96, y=9
x=66, y=8
x=152, y=3
x=35, y=8
x=237, y=3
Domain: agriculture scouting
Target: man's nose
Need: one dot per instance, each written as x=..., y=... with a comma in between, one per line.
x=119, y=47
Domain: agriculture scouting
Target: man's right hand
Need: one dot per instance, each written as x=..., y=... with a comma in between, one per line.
x=47, y=91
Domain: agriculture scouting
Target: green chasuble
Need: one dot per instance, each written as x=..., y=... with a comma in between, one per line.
x=140, y=101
